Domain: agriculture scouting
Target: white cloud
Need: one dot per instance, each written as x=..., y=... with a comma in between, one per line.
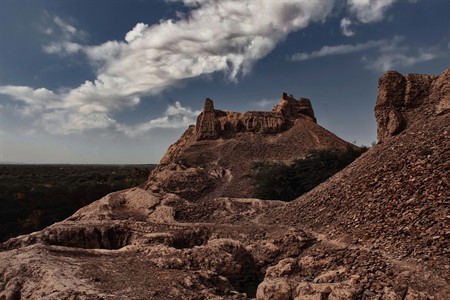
x=266, y=103
x=67, y=118
x=368, y=11
x=62, y=48
x=336, y=50
x=65, y=34
x=387, y=53
x=137, y=32
x=345, y=27
x=175, y=116
x=34, y=101
x=65, y=27
x=388, y=61
x=218, y=36
x=226, y=36
x=394, y=54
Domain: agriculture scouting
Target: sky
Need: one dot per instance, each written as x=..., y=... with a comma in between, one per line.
x=118, y=81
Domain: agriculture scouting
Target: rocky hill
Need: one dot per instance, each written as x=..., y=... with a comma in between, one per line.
x=214, y=157
x=395, y=199
x=377, y=230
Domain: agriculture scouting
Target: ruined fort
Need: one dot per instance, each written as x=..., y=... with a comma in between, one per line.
x=213, y=123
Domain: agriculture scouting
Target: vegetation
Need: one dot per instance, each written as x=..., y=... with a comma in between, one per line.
x=287, y=182
x=35, y=196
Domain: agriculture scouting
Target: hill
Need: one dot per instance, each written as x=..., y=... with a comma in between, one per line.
x=214, y=158
x=379, y=229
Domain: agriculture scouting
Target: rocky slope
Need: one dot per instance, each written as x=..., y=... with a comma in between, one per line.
x=377, y=230
x=395, y=199
x=214, y=157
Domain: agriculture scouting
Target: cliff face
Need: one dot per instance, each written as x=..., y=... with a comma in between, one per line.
x=399, y=96
x=215, y=156
x=213, y=124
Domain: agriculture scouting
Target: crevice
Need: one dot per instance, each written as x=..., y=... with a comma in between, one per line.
x=249, y=278
x=246, y=278
x=190, y=238
x=111, y=238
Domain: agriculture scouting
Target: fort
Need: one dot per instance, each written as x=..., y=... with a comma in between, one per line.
x=213, y=123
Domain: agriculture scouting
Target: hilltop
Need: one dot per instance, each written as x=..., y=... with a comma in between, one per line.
x=379, y=229
x=214, y=158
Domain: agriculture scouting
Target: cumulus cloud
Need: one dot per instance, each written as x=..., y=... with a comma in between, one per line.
x=345, y=27
x=387, y=53
x=137, y=32
x=35, y=101
x=368, y=11
x=226, y=36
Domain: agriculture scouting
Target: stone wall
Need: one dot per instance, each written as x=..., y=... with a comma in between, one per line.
x=213, y=123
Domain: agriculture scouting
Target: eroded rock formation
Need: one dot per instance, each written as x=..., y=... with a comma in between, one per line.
x=398, y=95
x=213, y=124
x=377, y=230
x=215, y=157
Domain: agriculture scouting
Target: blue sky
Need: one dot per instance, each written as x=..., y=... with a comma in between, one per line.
x=119, y=81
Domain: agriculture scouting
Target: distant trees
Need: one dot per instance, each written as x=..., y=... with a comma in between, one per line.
x=287, y=182
x=35, y=196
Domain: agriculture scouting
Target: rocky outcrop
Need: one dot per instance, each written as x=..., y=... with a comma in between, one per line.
x=377, y=230
x=394, y=199
x=213, y=124
x=397, y=95
x=215, y=157
x=440, y=93
x=292, y=108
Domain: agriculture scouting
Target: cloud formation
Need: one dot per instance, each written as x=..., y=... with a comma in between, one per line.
x=394, y=53
x=66, y=35
x=345, y=27
x=336, y=50
x=368, y=11
x=226, y=36
x=387, y=53
x=266, y=103
x=175, y=116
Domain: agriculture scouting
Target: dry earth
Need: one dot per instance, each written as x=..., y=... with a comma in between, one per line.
x=380, y=229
